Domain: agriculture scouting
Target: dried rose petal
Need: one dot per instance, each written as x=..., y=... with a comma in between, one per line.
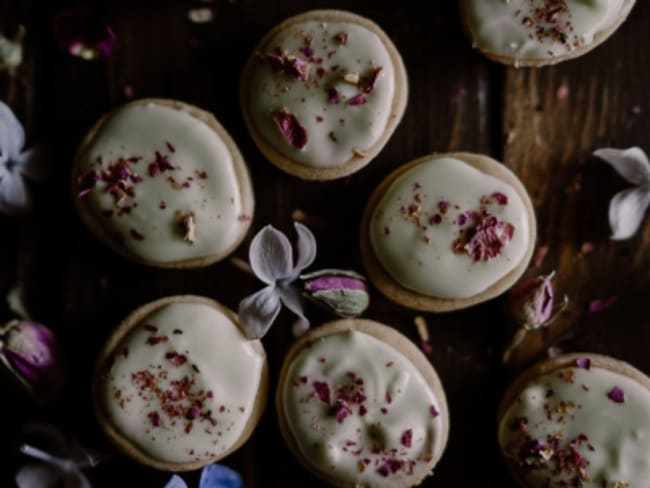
x=82, y=33
x=359, y=99
x=500, y=198
x=288, y=125
x=601, y=305
x=296, y=68
x=369, y=82
x=433, y=411
x=333, y=96
x=616, y=395
x=530, y=303
x=487, y=240
x=322, y=391
x=407, y=438
x=341, y=38
x=275, y=60
x=584, y=363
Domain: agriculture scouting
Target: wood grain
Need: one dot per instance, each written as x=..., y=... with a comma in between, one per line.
x=458, y=101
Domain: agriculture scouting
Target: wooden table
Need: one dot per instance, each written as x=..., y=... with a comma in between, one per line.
x=544, y=124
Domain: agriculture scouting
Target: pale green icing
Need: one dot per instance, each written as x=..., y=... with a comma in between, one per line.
x=510, y=27
x=201, y=160
x=344, y=450
x=343, y=128
x=616, y=446
x=222, y=368
x=419, y=254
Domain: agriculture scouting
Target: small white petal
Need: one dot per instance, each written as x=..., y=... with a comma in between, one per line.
x=257, y=312
x=14, y=197
x=32, y=163
x=632, y=164
x=38, y=474
x=176, y=482
x=270, y=255
x=292, y=299
x=626, y=212
x=305, y=250
x=12, y=134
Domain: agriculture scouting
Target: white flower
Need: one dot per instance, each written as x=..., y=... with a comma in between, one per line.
x=59, y=460
x=16, y=165
x=627, y=208
x=271, y=258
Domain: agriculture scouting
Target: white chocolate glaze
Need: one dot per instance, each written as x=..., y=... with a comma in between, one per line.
x=334, y=131
x=566, y=429
x=540, y=29
x=360, y=411
x=183, y=171
x=420, y=228
x=182, y=383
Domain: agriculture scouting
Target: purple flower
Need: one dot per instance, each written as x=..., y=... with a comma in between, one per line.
x=32, y=353
x=212, y=476
x=584, y=363
x=82, y=33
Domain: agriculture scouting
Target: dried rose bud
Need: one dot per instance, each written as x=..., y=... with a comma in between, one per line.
x=342, y=292
x=530, y=303
x=32, y=353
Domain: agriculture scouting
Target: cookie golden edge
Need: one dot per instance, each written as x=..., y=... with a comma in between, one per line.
x=365, y=155
x=242, y=175
x=599, y=39
x=394, y=291
x=394, y=339
x=125, y=445
x=552, y=365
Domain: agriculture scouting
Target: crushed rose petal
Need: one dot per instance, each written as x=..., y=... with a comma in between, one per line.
x=486, y=240
x=288, y=125
x=322, y=391
x=584, y=363
x=616, y=395
x=359, y=99
x=407, y=438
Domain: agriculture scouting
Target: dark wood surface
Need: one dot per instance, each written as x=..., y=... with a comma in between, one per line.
x=544, y=124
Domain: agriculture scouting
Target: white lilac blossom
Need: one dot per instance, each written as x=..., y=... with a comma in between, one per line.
x=57, y=461
x=212, y=476
x=271, y=259
x=271, y=256
x=16, y=165
x=627, y=208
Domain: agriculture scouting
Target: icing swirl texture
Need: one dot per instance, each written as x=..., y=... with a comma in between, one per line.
x=321, y=92
x=579, y=427
x=162, y=183
x=361, y=412
x=182, y=383
x=540, y=29
x=445, y=229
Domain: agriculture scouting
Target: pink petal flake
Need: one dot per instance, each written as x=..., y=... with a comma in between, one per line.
x=583, y=363
x=485, y=241
x=407, y=437
x=616, y=395
x=369, y=81
x=288, y=125
x=600, y=305
x=322, y=391
x=82, y=33
x=356, y=100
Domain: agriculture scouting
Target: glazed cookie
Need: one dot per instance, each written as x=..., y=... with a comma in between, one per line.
x=541, y=32
x=161, y=182
x=322, y=93
x=178, y=385
x=577, y=420
x=447, y=231
x=359, y=405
